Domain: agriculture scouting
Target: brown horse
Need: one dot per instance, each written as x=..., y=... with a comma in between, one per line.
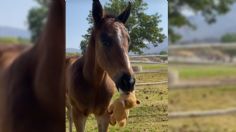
x=105, y=61
x=69, y=62
x=8, y=53
x=33, y=87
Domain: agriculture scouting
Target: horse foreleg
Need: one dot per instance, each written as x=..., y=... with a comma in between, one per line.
x=103, y=122
x=69, y=117
x=79, y=120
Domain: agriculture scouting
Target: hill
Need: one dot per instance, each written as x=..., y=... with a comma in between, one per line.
x=14, y=32
x=209, y=33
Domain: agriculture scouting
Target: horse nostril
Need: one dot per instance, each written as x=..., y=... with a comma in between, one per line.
x=126, y=83
x=132, y=81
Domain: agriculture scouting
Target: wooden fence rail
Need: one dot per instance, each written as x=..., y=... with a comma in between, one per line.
x=151, y=83
x=145, y=56
x=153, y=71
x=148, y=62
x=202, y=113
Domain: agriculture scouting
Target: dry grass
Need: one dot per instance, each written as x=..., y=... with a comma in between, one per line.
x=202, y=98
x=151, y=77
x=204, y=124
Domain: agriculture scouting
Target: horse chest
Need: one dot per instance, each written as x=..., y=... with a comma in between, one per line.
x=93, y=99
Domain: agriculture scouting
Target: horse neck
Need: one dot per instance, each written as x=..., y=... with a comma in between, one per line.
x=52, y=40
x=50, y=56
x=92, y=71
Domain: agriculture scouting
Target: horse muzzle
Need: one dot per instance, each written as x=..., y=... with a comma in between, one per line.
x=125, y=83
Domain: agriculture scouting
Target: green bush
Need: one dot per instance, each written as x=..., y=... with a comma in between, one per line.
x=227, y=38
x=163, y=53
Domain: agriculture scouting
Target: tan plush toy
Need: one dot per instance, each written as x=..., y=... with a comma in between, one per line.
x=120, y=108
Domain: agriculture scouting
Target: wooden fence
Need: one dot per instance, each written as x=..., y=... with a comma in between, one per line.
x=215, y=112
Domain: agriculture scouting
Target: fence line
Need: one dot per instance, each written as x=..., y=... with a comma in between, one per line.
x=153, y=71
x=230, y=45
x=195, y=85
x=144, y=56
x=148, y=62
x=202, y=113
x=151, y=83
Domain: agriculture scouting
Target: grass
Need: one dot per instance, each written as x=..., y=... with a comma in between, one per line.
x=13, y=40
x=151, y=77
x=205, y=71
x=151, y=114
x=202, y=98
x=224, y=123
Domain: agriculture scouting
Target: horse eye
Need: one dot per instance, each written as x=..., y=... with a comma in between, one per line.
x=107, y=44
x=106, y=40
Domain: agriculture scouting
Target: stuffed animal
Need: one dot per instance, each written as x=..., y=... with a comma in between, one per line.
x=119, y=109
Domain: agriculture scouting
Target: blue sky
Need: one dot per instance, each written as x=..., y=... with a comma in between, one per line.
x=78, y=10
x=13, y=13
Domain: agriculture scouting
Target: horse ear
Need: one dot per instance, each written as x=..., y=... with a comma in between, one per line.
x=97, y=12
x=123, y=17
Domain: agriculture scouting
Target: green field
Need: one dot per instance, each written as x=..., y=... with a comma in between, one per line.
x=203, y=98
x=151, y=114
x=205, y=71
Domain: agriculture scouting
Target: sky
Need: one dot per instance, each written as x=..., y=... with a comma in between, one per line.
x=78, y=10
x=13, y=13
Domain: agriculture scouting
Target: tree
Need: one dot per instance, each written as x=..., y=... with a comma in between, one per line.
x=163, y=53
x=143, y=29
x=208, y=8
x=228, y=38
x=36, y=18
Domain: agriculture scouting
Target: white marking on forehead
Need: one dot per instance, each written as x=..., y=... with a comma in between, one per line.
x=127, y=58
x=119, y=35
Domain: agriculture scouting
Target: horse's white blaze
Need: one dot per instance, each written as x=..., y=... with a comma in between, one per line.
x=127, y=59
x=119, y=35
